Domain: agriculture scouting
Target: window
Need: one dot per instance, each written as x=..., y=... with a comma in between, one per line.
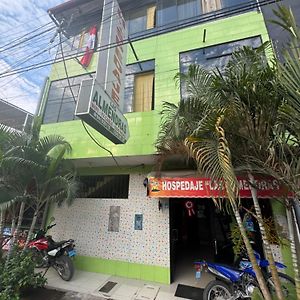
x=171, y=11
x=143, y=91
x=76, y=44
x=210, y=5
x=139, y=87
x=151, y=17
x=167, y=13
x=60, y=104
x=142, y=19
x=214, y=56
x=108, y=186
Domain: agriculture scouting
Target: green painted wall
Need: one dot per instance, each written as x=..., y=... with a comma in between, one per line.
x=279, y=210
x=123, y=269
x=165, y=50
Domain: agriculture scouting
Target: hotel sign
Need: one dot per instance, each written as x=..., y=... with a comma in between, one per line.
x=165, y=187
x=100, y=100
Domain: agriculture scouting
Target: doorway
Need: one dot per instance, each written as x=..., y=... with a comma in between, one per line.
x=197, y=233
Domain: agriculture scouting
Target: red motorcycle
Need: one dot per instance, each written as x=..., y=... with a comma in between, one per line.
x=48, y=253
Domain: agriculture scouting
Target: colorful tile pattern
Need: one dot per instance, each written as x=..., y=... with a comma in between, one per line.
x=86, y=220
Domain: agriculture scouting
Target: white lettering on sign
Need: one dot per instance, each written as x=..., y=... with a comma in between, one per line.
x=216, y=185
x=260, y=184
x=182, y=185
x=101, y=106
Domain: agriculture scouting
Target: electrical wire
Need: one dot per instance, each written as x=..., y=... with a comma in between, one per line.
x=74, y=99
x=97, y=143
x=41, y=64
x=251, y=3
x=10, y=46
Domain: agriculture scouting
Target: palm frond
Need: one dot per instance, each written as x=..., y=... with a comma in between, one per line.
x=48, y=143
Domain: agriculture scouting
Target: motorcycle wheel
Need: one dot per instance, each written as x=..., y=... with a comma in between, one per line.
x=287, y=284
x=37, y=258
x=64, y=267
x=217, y=290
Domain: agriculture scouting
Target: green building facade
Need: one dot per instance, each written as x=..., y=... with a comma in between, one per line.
x=113, y=186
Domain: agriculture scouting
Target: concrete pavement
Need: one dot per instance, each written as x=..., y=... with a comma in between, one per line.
x=86, y=285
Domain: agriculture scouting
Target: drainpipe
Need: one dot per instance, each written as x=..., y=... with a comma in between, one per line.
x=40, y=105
x=296, y=213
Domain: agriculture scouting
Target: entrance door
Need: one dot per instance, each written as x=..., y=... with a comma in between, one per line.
x=195, y=236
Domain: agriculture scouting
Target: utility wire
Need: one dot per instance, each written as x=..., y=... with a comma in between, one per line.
x=97, y=143
x=10, y=46
x=74, y=99
x=65, y=67
x=99, y=49
x=157, y=32
x=43, y=64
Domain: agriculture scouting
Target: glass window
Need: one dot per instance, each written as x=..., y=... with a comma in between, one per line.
x=137, y=21
x=60, y=105
x=187, y=9
x=142, y=19
x=151, y=17
x=143, y=92
x=210, y=5
x=76, y=44
x=167, y=12
x=139, y=87
x=214, y=56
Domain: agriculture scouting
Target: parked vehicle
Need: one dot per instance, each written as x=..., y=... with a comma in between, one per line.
x=239, y=283
x=8, y=237
x=48, y=253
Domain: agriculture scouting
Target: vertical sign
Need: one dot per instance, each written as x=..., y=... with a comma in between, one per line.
x=112, y=61
x=100, y=101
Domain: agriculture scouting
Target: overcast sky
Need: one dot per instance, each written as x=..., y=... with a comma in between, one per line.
x=17, y=18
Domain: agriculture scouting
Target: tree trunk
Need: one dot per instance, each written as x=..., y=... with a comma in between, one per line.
x=264, y=237
x=31, y=229
x=45, y=214
x=17, y=231
x=293, y=250
x=259, y=276
x=13, y=225
x=2, y=221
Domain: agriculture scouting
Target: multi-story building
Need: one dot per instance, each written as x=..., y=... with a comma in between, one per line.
x=14, y=117
x=118, y=228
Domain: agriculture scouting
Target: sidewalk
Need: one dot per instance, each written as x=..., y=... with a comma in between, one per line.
x=125, y=289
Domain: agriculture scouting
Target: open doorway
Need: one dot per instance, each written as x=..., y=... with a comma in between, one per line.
x=199, y=233
x=203, y=233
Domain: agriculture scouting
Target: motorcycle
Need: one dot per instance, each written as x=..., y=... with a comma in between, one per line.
x=239, y=283
x=48, y=253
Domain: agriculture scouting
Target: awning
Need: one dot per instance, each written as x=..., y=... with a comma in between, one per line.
x=193, y=187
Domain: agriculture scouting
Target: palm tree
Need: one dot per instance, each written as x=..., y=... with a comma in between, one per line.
x=32, y=170
x=236, y=101
x=55, y=185
x=284, y=151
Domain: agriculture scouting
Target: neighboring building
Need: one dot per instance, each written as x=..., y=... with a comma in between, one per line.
x=119, y=229
x=278, y=36
x=14, y=116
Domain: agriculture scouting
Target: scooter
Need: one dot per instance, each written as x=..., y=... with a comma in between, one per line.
x=48, y=253
x=236, y=283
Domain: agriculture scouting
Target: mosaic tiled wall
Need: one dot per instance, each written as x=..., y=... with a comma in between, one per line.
x=87, y=222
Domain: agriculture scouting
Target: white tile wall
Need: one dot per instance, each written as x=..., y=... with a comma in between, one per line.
x=86, y=220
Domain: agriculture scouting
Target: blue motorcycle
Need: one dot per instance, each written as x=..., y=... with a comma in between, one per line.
x=239, y=283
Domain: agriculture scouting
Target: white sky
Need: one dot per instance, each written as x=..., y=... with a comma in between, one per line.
x=18, y=17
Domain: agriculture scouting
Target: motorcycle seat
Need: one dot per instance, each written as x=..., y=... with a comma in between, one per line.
x=234, y=268
x=54, y=245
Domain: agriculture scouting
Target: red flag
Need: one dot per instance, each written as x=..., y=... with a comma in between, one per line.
x=90, y=47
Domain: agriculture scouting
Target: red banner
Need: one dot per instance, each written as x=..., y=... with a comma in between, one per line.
x=166, y=187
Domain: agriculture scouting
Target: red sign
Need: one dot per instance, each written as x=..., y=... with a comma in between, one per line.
x=267, y=187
